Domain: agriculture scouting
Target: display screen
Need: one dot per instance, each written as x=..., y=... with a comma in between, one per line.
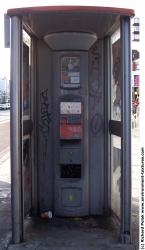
x=70, y=72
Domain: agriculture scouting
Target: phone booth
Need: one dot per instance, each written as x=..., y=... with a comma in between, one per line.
x=70, y=116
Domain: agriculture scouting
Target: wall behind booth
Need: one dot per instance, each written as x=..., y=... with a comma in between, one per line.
x=44, y=103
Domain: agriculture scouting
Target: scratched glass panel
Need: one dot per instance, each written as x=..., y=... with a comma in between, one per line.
x=116, y=77
x=116, y=175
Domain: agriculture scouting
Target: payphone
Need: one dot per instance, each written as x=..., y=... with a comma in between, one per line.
x=71, y=166
x=71, y=152
x=71, y=133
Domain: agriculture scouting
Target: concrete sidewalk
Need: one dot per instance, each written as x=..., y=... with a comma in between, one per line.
x=5, y=200
x=136, y=171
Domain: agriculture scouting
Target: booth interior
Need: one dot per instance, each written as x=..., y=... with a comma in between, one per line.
x=71, y=91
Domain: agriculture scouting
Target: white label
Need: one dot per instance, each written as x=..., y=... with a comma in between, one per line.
x=75, y=79
x=70, y=107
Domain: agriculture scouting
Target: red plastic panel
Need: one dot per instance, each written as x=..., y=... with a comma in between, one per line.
x=71, y=131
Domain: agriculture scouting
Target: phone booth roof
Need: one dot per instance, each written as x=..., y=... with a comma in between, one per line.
x=44, y=20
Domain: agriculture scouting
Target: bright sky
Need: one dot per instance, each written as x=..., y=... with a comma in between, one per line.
x=4, y=53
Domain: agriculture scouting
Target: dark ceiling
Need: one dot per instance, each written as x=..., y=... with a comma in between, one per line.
x=50, y=22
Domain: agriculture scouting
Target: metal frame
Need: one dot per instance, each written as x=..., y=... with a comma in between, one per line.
x=126, y=132
x=107, y=163
x=123, y=129
x=34, y=132
x=16, y=130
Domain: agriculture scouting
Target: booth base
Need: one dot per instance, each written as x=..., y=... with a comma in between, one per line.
x=88, y=233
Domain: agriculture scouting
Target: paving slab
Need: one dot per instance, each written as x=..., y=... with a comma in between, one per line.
x=5, y=200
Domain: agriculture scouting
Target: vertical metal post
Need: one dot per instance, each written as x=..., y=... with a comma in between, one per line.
x=107, y=84
x=126, y=132
x=16, y=130
x=34, y=132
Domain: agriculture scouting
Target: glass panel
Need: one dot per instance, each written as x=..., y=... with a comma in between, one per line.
x=26, y=119
x=70, y=72
x=116, y=77
x=26, y=169
x=116, y=175
x=26, y=87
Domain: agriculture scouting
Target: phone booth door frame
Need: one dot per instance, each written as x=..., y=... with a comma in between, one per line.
x=16, y=131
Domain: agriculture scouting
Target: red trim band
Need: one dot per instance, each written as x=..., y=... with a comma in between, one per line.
x=97, y=9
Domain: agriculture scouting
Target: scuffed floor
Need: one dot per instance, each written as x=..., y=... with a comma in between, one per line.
x=89, y=233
